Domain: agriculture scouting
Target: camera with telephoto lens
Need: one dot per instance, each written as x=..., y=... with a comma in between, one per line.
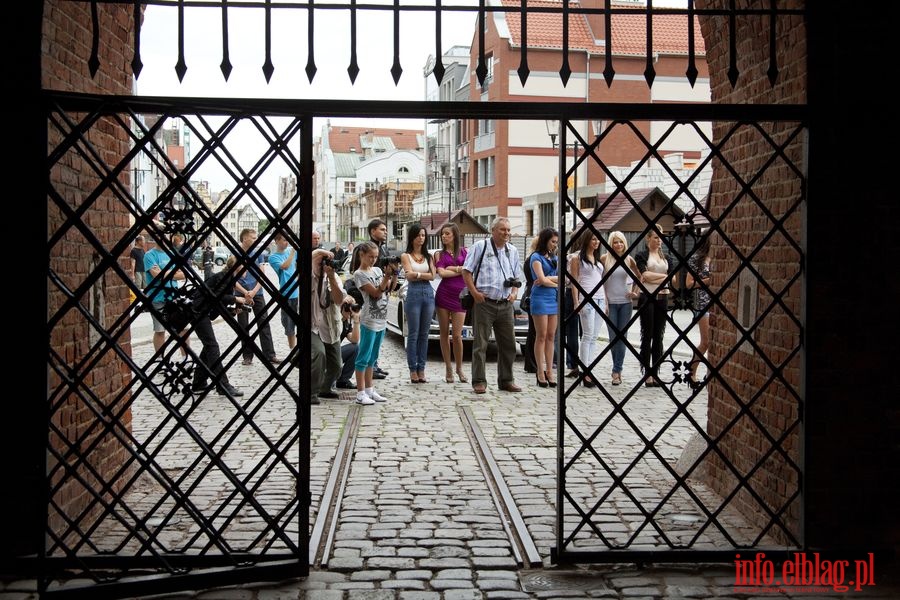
x=384, y=261
x=512, y=282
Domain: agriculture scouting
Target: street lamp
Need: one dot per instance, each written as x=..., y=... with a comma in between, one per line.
x=553, y=131
x=464, y=169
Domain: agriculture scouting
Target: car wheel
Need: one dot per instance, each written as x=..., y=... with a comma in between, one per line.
x=220, y=261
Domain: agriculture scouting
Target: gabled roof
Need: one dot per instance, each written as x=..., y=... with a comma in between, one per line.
x=545, y=29
x=467, y=224
x=629, y=32
x=342, y=139
x=612, y=208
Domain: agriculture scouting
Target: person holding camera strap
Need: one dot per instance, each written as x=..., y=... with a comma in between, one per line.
x=494, y=295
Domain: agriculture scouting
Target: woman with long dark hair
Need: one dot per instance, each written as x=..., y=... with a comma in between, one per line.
x=419, y=304
x=448, y=262
x=698, y=280
x=654, y=268
x=586, y=269
x=544, y=303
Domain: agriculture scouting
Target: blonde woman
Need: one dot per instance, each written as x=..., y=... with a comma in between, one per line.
x=654, y=268
x=586, y=268
x=622, y=272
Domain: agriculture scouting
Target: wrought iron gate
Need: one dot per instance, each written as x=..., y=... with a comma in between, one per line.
x=655, y=467
x=146, y=473
x=164, y=457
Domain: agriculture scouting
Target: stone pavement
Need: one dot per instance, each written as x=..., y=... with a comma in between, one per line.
x=418, y=521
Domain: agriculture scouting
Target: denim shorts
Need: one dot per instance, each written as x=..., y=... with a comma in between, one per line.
x=157, y=324
x=290, y=325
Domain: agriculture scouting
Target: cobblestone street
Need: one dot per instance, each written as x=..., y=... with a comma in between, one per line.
x=417, y=519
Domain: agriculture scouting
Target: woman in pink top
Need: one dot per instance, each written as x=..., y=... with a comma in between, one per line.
x=449, y=261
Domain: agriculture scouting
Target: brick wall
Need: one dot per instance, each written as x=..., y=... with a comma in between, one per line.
x=746, y=376
x=65, y=52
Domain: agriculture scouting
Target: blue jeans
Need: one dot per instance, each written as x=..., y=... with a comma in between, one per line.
x=419, y=308
x=619, y=315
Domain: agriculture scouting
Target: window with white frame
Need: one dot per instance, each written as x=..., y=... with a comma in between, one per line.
x=485, y=126
x=349, y=187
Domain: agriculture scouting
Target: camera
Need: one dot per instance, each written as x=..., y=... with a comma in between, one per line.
x=384, y=261
x=242, y=307
x=512, y=282
x=354, y=307
x=328, y=262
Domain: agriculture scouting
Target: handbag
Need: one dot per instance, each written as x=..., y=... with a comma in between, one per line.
x=465, y=298
x=525, y=302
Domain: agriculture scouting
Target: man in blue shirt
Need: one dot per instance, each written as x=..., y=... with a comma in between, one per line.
x=161, y=278
x=284, y=262
x=249, y=287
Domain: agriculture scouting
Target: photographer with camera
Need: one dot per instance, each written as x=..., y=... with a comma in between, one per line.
x=198, y=307
x=378, y=235
x=350, y=311
x=375, y=286
x=494, y=292
x=325, y=341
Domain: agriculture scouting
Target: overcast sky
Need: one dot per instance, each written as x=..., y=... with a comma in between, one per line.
x=203, y=55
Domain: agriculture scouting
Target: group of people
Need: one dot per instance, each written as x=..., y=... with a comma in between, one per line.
x=349, y=320
x=603, y=287
x=489, y=273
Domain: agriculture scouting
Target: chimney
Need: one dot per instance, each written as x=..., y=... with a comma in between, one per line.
x=597, y=23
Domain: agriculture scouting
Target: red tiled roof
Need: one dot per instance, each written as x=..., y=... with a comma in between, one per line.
x=341, y=139
x=629, y=32
x=545, y=29
x=606, y=215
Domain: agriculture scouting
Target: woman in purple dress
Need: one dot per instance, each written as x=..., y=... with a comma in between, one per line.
x=449, y=261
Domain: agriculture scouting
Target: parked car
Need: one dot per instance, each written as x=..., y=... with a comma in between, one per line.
x=397, y=323
x=221, y=255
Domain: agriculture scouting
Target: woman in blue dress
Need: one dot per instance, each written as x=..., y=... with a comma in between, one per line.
x=544, y=303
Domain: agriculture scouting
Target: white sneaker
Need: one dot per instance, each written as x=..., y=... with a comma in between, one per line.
x=363, y=398
x=376, y=396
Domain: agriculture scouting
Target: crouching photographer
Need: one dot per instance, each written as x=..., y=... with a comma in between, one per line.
x=350, y=309
x=198, y=306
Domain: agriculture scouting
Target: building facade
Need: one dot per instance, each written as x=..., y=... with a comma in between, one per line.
x=510, y=160
x=339, y=153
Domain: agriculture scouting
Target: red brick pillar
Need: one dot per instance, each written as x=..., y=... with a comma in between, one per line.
x=746, y=375
x=66, y=47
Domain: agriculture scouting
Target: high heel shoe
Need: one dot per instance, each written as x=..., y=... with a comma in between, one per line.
x=462, y=377
x=549, y=381
x=541, y=383
x=449, y=377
